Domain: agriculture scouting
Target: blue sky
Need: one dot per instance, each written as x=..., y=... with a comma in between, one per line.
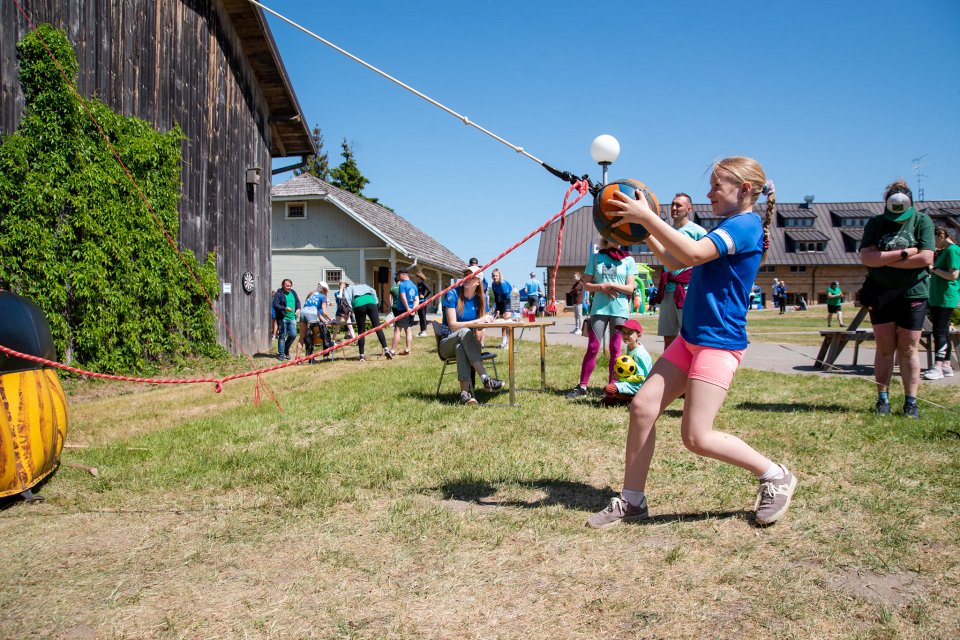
x=835, y=99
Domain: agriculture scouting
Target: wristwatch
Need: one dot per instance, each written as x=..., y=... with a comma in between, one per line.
x=904, y=255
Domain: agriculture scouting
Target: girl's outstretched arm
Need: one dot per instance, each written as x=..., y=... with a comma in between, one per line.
x=684, y=249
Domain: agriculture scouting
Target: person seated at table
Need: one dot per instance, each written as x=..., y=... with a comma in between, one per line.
x=622, y=391
x=462, y=305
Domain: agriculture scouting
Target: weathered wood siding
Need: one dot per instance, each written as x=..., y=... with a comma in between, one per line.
x=177, y=61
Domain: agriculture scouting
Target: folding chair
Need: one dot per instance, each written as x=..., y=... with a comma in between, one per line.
x=485, y=357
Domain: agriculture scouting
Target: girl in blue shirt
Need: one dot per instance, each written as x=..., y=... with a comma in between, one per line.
x=702, y=361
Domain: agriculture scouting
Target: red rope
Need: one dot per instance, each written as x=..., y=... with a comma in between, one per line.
x=581, y=187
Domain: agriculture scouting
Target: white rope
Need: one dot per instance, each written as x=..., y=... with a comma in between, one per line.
x=464, y=119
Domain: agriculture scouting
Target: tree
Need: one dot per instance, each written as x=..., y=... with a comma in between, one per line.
x=347, y=175
x=318, y=165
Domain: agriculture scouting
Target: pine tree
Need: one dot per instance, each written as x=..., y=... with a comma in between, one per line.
x=347, y=176
x=318, y=165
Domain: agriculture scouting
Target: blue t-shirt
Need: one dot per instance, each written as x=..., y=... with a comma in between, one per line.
x=534, y=287
x=715, y=309
x=316, y=299
x=502, y=290
x=409, y=291
x=470, y=311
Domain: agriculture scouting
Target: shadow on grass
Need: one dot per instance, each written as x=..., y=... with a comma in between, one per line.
x=570, y=495
x=792, y=407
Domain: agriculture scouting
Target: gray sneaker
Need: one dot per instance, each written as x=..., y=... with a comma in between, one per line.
x=576, y=392
x=619, y=510
x=774, y=498
x=467, y=398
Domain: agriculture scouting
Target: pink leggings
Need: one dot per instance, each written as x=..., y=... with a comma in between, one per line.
x=595, y=325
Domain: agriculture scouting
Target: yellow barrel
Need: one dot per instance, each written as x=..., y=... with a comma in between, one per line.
x=33, y=427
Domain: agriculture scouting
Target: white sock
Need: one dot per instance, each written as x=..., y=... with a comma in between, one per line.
x=635, y=498
x=775, y=472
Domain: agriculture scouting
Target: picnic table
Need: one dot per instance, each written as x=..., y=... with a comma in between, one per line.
x=834, y=341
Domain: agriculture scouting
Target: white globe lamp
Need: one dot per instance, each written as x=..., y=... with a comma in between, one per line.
x=604, y=150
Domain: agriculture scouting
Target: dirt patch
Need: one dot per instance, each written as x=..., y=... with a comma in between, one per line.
x=891, y=589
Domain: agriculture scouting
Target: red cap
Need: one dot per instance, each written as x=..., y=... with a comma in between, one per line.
x=633, y=325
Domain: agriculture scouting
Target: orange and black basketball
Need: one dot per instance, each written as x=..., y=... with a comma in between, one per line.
x=607, y=219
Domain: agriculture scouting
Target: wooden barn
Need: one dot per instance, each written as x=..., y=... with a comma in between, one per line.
x=211, y=66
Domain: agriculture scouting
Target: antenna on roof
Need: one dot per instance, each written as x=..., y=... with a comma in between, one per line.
x=918, y=175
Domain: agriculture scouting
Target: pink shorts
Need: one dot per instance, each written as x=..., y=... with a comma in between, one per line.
x=709, y=364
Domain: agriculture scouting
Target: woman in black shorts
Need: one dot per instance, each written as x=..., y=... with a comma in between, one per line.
x=897, y=248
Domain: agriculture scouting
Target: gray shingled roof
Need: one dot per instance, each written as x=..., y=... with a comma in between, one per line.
x=579, y=232
x=392, y=228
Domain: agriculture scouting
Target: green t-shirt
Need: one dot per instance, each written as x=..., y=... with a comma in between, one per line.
x=604, y=269
x=395, y=296
x=916, y=231
x=291, y=304
x=945, y=293
x=834, y=291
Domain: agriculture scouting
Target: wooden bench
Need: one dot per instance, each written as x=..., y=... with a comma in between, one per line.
x=834, y=342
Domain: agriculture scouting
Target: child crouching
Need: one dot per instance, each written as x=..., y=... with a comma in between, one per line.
x=622, y=391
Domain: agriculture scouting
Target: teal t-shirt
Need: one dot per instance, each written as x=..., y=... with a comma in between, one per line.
x=696, y=232
x=916, y=231
x=605, y=269
x=291, y=304
x=945, y=293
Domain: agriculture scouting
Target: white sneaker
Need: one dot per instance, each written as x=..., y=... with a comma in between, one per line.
x=505, y=343
x=932, y=374
x=576, y=332
x=947, y=373
x=422, y=334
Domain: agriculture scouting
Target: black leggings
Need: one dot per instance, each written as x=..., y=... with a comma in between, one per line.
x=362, y=313
x=422, y=315
x=940, y=319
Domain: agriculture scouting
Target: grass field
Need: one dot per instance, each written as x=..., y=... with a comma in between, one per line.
x=368, y=509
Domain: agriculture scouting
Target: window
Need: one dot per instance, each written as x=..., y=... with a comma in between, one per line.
x=767, y=268
x=798, y=222
x=853, y=222
x=639, y=248
x=811, y=247
x=798, y=269
x=296, y=210
x=709, y=223
x=333, y=277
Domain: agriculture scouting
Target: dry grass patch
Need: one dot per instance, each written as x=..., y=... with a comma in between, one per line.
x=368, y=510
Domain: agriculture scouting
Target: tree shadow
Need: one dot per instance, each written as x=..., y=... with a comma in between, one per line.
x=570, y=495
x=792, y=407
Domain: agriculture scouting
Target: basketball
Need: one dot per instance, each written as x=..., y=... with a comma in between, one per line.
x=625, y=366
x=607, y=220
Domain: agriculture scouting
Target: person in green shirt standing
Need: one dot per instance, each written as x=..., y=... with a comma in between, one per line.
x=897, y=247
x=944, y=298
x=834, y=303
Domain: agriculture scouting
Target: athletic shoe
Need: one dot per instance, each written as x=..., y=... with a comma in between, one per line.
x=422, y=334
x=911, y=410
x=281, y=358
x=389, y=354
x=882, y=408
x=363, y=358
x=774, y=497
x=467, y=398
x=619, y=510
x=576, y=392
x=492, y=384
x=933, y=374
x=947, y=373
x=505, y=343
x=404, y=353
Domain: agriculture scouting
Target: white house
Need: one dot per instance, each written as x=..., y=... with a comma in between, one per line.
x=321, y=232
